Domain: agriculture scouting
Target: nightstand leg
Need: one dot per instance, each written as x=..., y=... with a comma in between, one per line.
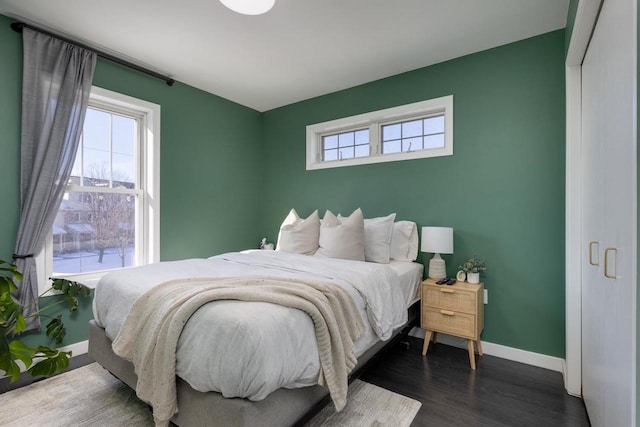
x=472, y=356
x=425, y=346
x=435, y=337
x=479, y=344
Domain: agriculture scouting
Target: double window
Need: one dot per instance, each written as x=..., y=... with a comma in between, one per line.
x=418, y=130
x=109, y=216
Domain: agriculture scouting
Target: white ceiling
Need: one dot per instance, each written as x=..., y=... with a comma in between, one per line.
x=298, y=50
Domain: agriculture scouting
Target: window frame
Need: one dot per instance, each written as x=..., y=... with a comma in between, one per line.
x=147, y=190
x=374, y=121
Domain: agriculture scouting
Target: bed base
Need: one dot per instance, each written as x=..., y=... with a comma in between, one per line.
x=283, y=407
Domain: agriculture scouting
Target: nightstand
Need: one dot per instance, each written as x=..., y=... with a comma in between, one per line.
x=456, y=309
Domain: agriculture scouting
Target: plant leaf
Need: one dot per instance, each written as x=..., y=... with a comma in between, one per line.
x=21, y=323
x=55, y=361
x=56, y=330
x=5, y=351
x=10, y=368
x=71, y=290
x=7, y=363
x=20, y=350
x=48, y=361
x=11, y=318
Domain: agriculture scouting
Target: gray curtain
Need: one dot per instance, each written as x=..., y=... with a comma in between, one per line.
x=55, y=91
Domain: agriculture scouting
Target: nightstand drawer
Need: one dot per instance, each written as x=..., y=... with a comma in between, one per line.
x=449, y=298
x=449, y=322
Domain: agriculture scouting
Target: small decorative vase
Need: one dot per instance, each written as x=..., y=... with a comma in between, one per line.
x=473, y=277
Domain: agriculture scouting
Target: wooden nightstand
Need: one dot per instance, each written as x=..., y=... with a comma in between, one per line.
x=454, y=310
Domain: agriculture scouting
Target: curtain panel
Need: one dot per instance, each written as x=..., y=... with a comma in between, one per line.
x=56, y=84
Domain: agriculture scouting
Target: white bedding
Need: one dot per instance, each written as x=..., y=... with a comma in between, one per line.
x=250, y=349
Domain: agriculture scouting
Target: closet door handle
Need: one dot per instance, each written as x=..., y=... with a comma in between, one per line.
x=606, y=263
x=591, y=253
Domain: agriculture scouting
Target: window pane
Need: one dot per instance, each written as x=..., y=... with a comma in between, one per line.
x=330, y=142
x=434, y=125
x=362, y=150
x=345, y=139
x=124, y=171
x=77, y=164
x=330, y=155
x=124, y=135
x=123, y=167
x=97, y=130
x=390, y=132
x=96, y=167
x=391, y=147
x=94, y=231
x=96, y=148
x=346, y=153
x=412, y=144
x=362, y=137
x=413, y=128
x=434, y=141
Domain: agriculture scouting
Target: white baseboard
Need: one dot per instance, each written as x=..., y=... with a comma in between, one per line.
x=501, y=351
x=78, y=348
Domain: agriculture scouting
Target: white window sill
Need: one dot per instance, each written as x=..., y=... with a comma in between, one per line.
x=90, y=280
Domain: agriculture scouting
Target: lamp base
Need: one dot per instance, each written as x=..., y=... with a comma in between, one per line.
x=437, y=268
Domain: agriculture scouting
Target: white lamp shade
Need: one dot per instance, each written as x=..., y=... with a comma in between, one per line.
x=249, y=7
x=437, y=240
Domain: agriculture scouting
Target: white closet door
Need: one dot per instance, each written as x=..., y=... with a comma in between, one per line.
x=609, y=214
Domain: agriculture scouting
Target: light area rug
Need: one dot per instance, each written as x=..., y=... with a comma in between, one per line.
x=367, y=406
x=91, y=396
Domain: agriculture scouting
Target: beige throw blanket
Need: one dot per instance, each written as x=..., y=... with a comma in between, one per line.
x=150, y=333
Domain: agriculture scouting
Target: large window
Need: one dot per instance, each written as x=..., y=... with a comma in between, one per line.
x=108, y=218
x=418, y=130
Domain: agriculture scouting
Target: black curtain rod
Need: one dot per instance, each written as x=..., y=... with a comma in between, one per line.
x=18, y=26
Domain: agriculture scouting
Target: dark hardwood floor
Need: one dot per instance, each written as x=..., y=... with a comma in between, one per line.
x=499, y=393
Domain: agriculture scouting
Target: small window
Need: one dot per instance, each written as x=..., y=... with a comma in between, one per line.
x=419, y=130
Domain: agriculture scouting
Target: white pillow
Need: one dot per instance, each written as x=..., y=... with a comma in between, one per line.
x=404, y=241
x=344, y=240
x=377, y=238
x=299, y=235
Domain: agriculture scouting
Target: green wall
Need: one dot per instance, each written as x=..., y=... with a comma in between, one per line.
x=230, y=174
x=210, y=177
x=10, y=106
x=502, y=191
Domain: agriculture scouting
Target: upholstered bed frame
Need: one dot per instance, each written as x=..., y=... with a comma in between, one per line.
x=284, y=407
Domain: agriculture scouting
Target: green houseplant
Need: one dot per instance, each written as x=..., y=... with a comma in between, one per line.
x=473, y=267
x=40, y=360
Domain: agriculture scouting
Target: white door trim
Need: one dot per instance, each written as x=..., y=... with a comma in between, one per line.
x=586, y=16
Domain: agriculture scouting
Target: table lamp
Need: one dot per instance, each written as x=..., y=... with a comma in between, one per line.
x=437, y=240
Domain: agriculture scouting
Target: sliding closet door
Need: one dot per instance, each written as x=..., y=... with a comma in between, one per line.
x=608, y=214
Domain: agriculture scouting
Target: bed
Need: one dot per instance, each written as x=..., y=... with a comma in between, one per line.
x=242, y=363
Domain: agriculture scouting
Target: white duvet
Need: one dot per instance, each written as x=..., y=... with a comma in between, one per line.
x=250, y=349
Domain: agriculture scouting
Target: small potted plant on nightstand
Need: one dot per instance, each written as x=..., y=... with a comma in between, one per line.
x=473, y=267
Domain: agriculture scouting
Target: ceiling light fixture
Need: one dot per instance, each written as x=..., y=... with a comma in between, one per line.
x=249, y=7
